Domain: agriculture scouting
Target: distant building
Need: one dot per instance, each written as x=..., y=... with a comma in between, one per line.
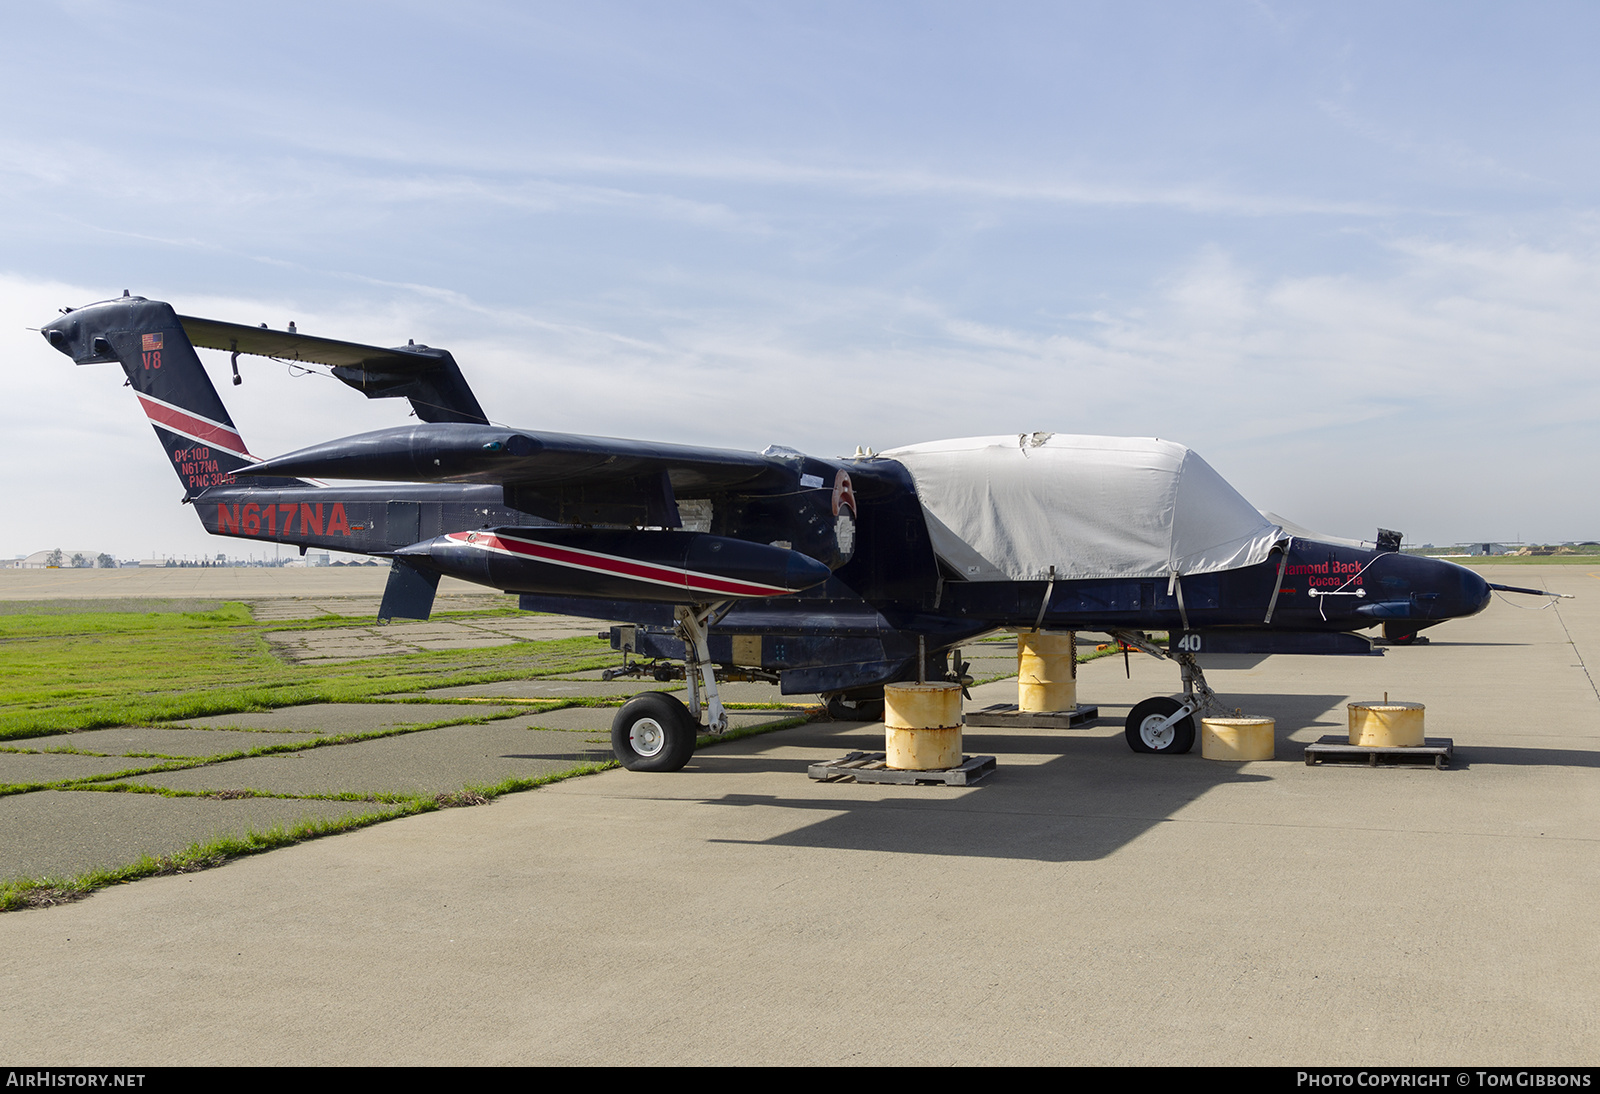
x=65, y=559
x=1481, y=548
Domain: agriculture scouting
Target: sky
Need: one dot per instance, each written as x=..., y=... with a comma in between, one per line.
x=1348, y=253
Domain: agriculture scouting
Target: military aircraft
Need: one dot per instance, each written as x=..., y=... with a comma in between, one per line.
x=830, y=576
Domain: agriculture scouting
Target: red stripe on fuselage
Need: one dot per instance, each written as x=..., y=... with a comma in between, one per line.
x=620, y=567
x=201, y=429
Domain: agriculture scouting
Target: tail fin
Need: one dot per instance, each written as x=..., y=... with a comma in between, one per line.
x=147, y=340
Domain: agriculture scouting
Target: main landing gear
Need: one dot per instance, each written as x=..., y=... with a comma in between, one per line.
x=1165, y=725
x=655, y=731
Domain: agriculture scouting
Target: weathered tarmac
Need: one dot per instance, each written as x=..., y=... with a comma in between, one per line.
x=229, y=776
x=1082, y=905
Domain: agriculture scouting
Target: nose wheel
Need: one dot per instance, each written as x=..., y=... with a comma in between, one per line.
x=1152, y=728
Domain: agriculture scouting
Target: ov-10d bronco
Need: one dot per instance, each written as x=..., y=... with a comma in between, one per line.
x=821, y=575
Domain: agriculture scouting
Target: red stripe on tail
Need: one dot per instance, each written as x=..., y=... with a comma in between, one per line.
x=188, y=424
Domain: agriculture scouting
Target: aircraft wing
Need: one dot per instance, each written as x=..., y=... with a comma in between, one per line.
x=429, y=377
x=559, y=476
x=496, y=454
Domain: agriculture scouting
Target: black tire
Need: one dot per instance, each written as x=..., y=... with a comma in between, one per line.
x=1404, y=634
x=1176, y=740
x=653, y=732
x=841, y=709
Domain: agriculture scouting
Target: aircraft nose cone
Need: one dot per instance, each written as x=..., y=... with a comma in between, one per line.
x=1475, y=592
x=1461, y=592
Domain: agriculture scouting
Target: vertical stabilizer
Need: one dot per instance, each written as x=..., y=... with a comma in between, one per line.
x=176, y=395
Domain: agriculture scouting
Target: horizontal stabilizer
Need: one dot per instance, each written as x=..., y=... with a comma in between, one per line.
x=429, y=377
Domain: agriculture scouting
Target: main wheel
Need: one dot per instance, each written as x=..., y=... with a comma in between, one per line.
x=653, y=732
x=1141, y=729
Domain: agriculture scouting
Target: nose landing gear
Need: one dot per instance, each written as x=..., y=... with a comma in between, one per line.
x=1163, y=725
x=1160, y=724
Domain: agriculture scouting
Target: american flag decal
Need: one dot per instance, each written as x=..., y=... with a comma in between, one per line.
x=152, y=342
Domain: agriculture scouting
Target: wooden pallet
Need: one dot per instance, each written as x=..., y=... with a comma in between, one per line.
x=868, y=767
x=1338, y=749
x=1006, y=715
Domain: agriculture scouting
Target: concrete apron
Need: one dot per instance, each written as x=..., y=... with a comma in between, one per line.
x=1082, y=905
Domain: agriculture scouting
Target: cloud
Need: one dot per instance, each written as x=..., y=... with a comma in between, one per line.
x=1420, y=382
x=1470, y=352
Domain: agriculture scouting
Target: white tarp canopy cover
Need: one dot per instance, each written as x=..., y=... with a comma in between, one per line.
x=1009, y=508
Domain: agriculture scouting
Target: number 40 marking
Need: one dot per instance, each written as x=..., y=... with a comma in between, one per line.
x=1189, y=643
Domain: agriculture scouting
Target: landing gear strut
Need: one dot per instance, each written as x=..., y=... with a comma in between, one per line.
x=654, y=731
x=1162, y=725
x=694, y=622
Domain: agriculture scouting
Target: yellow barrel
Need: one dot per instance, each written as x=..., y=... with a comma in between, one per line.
x=1386, y=725
x=922, y=726
x=1237, y=738
x=1047, y=671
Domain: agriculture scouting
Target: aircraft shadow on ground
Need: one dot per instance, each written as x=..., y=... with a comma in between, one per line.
x=1088, y=801
x=1517, y=756
x=1453, y=643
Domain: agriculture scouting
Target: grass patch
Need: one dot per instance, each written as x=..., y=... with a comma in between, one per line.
x=706, y=740
x=515, y=784
x=92, y=670
x=1111, y=650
